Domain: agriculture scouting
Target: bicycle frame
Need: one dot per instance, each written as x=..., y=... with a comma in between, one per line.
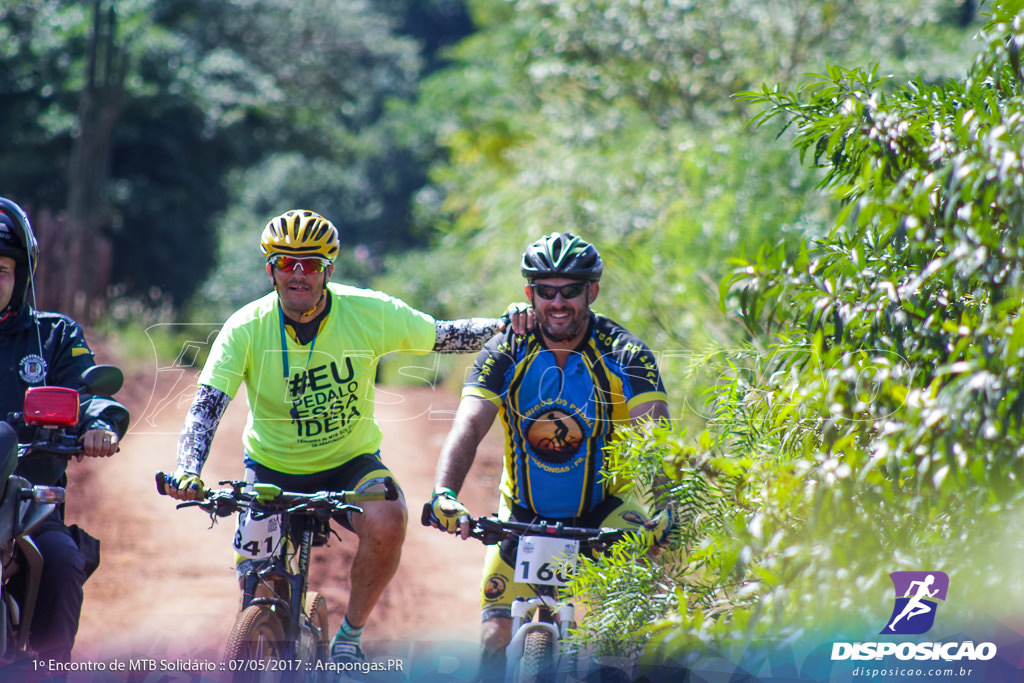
x=271, y=624
x=266, y=572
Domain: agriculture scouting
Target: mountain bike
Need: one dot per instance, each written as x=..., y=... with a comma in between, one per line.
x=281, y=631
x=545, y=556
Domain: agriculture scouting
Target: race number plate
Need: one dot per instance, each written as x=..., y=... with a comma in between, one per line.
x=544, y=560
x=257, y=535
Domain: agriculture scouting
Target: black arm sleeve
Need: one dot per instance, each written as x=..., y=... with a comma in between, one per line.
x=200, y=425
x=466, y=334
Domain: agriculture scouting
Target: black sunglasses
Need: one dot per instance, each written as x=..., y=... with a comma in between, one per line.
x=569, y=291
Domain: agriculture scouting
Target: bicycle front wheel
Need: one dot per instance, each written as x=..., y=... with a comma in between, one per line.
x=538, y=662
x=316, y=612
x=257, y=636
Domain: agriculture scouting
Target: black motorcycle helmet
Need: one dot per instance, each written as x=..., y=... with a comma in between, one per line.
x=562, y=255
x=19, y=243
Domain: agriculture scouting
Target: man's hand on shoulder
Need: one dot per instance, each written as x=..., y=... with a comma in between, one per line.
x=520, y=318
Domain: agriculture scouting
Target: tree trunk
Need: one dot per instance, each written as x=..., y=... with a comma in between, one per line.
x=85, y=273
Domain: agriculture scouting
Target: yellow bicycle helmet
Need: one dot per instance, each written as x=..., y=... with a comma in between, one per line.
x=300, y=234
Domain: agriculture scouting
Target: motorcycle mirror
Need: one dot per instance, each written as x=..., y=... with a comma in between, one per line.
x=102, y=380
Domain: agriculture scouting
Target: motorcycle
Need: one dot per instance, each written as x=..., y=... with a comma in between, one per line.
x=49, y=420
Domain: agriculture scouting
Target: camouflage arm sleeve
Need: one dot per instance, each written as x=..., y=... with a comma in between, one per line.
x=200, y=425
x=467, y=334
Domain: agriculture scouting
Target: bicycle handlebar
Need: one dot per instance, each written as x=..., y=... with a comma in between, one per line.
x=226, y=501
x=490, y=530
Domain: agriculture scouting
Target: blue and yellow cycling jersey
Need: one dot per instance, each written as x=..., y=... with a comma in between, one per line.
x=558, y=421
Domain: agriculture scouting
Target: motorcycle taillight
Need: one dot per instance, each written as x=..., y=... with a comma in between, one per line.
x=51, y=407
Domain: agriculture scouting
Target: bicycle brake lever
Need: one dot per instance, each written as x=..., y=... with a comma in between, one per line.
x=226, y=508
x=489, y=537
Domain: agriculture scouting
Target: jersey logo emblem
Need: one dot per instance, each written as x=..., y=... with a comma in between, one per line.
x=495, y=586
x=555, y=436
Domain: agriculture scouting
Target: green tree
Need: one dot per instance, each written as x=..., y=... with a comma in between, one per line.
x=616, y=119
x=200, y=96
x=333, y=136
x=874, y=422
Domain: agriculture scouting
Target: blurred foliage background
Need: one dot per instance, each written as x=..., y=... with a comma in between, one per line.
x=810, y=209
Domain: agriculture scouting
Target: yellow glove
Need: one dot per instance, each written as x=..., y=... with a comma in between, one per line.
x=446, y=512
x=185, y=481
x=658, y=530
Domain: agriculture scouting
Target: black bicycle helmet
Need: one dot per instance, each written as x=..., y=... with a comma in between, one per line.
x=19, y=243
x=562, y=255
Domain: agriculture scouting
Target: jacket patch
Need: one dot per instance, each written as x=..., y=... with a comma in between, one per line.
x=32, y=368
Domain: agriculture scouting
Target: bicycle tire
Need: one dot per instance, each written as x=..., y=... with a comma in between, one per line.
x=538, y=662
x=316, y=610
x=256, y=635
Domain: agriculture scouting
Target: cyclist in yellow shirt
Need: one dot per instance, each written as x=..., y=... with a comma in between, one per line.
x=308, y=354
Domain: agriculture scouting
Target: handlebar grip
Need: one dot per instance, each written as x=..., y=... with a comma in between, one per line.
x=161, y=485
x=425, y=515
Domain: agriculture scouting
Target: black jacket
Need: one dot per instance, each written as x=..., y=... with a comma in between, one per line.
x=56, y=355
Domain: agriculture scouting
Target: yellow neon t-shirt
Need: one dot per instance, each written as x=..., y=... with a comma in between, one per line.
x=320, y=415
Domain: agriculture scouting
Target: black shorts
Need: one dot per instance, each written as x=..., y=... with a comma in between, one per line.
x=358, y=474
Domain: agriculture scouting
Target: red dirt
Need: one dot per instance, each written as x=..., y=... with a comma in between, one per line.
x=166, y=588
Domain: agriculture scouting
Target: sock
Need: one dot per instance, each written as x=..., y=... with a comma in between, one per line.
x=349, y=632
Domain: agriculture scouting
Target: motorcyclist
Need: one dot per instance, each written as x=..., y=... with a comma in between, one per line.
x=42, y=348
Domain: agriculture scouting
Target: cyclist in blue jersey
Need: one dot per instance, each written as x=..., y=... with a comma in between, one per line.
x=562, y=392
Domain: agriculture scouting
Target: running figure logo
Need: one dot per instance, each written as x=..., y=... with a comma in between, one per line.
x=917, y=594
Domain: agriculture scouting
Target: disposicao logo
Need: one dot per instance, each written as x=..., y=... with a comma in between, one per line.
x=913, y=613
x=917, y=596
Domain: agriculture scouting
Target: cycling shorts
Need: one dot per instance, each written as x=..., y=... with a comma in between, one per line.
x=359, y=474
x=498, y=590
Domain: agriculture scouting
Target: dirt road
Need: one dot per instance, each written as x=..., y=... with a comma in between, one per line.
x=166, y=586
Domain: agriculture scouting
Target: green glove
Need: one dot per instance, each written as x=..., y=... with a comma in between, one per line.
x=446, y=511
x=516, y=312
